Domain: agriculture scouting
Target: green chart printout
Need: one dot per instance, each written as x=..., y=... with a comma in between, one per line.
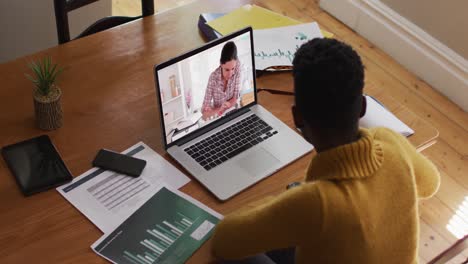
x=168, y=228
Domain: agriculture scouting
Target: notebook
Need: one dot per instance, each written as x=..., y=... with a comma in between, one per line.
x=254, y=16
x=378, y=116
x=208, y=32
x=231, y=149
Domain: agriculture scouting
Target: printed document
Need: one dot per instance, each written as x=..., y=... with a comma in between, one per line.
x=168, y=228
x=108, y=198
x=277, y=46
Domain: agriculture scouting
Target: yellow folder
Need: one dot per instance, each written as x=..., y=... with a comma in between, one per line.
x=255, y=16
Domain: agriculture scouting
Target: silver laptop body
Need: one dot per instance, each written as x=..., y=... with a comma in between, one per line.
x=232, y=151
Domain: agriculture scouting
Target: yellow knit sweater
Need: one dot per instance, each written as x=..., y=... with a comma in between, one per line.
x=358, y=205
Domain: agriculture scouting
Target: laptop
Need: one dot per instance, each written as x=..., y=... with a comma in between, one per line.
x=230, y=147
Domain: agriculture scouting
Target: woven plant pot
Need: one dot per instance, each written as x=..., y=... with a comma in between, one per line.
x=48, y=109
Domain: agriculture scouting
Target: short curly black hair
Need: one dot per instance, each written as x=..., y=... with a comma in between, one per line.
x=328, y=84
x=229, y=52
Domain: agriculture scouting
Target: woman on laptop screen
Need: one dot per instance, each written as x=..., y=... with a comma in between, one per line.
x=222, y=90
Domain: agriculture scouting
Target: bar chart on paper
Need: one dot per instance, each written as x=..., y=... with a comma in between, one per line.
x=164, y=235
x=166, y=229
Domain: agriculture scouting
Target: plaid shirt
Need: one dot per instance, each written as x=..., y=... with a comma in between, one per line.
x=214, y=95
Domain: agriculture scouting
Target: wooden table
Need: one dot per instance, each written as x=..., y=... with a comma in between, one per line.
x=109, y=101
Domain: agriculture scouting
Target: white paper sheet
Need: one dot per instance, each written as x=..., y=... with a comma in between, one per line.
x=277, y=46
x=108, y=198
x=377, y=115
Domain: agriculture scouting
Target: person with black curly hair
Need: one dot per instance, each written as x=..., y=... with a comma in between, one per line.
x=359, y=200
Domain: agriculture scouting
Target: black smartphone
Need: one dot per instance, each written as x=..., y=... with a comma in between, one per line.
x=121, y=163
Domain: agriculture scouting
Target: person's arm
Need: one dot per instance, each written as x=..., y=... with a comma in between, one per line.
x=236, y=84
x=218, y=111
x=286, y=221
x=211, y=111
x=207, y=110
x=229, y=103
x=426, y=174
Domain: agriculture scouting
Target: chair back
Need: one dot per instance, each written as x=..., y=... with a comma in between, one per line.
x=62, y=7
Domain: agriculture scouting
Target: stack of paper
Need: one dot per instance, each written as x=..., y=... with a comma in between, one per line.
x=145, y=219
x=108, y=198
x=276, y=37
x=254, y=16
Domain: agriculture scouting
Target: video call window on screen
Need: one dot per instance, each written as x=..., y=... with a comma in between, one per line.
x=200, y=89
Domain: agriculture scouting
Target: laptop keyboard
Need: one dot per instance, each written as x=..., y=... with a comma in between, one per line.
x=229, y=142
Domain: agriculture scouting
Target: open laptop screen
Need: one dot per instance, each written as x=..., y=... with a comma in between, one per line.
x=204, y=85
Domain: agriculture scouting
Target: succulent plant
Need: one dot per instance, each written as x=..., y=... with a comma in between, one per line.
x=44, y=75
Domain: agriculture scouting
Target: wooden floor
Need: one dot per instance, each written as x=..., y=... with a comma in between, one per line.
x=450, y=153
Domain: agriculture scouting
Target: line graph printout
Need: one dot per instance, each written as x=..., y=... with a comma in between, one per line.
x=108, y=198
x=277, y=46
x=168, y=228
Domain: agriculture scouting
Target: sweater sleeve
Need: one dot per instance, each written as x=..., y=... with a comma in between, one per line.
x=292, y=217
x=426, y=174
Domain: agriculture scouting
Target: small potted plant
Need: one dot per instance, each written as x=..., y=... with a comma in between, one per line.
x=47, y=94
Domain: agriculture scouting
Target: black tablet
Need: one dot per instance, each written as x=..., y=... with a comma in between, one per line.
x=36, y=165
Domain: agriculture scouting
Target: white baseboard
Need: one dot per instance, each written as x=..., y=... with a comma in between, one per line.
x=419, y=52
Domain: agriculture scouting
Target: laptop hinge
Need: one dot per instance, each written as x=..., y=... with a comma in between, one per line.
x=209, y=127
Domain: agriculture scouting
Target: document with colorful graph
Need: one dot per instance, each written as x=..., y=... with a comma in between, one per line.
x=277, y=46
x=168, y=228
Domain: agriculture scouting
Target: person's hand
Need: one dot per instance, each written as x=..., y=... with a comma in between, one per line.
x=207, y=115
x=226, y=105
x=213, y=113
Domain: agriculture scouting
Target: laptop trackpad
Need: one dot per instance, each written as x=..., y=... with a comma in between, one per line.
x=258, y=161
